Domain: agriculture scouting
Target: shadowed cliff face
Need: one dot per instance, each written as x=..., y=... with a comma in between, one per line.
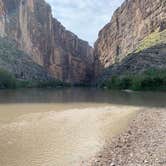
x=31, y=25
x=130, y=24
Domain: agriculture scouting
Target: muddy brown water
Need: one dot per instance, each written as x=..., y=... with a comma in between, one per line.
x=45, y=127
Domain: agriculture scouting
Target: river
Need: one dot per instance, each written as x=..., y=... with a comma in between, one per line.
x=62, y=127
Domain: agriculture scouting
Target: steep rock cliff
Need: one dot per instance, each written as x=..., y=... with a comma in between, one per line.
x=31, y=25
x=137, y=63
x=20, y=64
x=130, y=25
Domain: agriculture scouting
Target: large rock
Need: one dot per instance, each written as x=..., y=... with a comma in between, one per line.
x=31, y=25
x=130, y=24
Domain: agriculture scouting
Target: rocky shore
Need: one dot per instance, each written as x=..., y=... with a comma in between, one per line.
x=142, y=144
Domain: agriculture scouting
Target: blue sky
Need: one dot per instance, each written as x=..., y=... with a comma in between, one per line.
x=84, y=17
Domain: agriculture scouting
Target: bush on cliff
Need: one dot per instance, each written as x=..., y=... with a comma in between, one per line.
x=157, y=37
x=149, y=80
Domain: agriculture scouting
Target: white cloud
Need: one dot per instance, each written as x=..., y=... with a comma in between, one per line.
x=84, y=17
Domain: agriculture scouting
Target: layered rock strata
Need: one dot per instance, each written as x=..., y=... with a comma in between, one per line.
x=32, y=26
x=130, y=24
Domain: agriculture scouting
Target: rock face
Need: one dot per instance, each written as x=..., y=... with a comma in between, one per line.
x=130, y=24
x=31, y=25
x=136, y=63
x=20, y=64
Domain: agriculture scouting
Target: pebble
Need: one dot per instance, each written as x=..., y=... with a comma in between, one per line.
x=144, y=139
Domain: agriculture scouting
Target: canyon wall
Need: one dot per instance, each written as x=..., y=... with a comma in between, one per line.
x=130, y=24
x=31, y=25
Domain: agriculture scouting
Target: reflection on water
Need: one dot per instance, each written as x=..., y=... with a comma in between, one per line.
x=64, y=127
x=92, y=95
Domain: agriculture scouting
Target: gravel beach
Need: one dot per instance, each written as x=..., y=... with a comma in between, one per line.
x=142, y=144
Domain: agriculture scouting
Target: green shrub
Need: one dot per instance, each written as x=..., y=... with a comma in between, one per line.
x=125, y=82
x=25, y=84
x=136, y=83
x=50, y=84
x=41, y=84
x=113, y=83
x=149, y=80
x=7, y=80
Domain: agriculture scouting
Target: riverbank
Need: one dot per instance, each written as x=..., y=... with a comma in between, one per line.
x=151, y=79
x=142, y=144
x=9, y=81
x=154, y=80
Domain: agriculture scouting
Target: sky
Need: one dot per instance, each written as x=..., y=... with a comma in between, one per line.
x=85, y=18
